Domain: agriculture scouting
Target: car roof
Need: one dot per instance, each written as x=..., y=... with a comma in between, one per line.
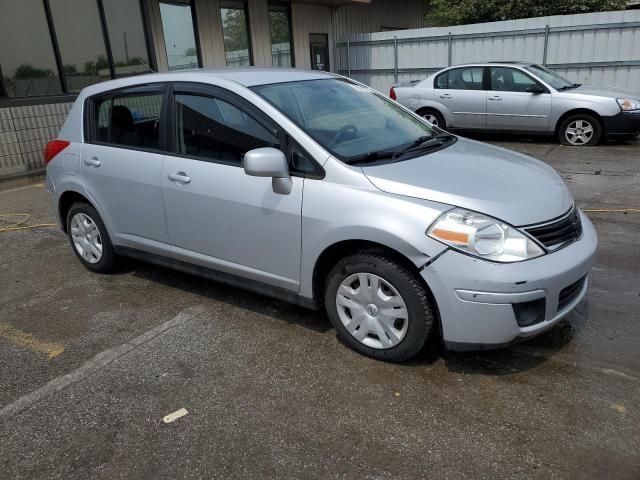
x=496, y=63
x=248, y=77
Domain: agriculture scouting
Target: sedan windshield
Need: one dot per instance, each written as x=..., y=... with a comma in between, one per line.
x=352, y=122
x=552, y=78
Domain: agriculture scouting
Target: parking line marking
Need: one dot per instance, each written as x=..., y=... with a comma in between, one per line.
x=30, y=342
x=97, y=363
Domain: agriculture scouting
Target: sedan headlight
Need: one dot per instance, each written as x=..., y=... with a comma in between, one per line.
x=627, y=104
x=483, y=237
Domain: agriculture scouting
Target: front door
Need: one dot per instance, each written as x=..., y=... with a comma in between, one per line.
x=461, y=91
x=319, y=51
x=511, y=107
x=218, y=216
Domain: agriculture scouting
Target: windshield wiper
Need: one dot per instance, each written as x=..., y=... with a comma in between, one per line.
x=418, y=144
x=570, y=87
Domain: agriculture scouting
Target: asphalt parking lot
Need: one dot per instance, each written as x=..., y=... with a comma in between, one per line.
x=90, y=365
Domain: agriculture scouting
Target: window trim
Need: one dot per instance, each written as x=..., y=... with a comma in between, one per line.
x=522, y=71
x=286, y=5
x=89, y=133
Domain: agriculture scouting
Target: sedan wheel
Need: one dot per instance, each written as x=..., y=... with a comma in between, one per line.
x=431, y=118
x=372, y=310
x=579, y=132
x=86, y=238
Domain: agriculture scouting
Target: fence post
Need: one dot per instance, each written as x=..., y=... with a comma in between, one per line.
x=546, y=45
x=450, y=54
x=348, y=58
x=395, y=58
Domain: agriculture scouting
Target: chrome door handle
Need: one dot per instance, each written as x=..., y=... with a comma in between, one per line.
x=179, y=177
x=445, y=95
x=93, y=161
x=495, y=97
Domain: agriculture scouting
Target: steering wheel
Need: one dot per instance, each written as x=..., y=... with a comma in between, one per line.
x=346, y=129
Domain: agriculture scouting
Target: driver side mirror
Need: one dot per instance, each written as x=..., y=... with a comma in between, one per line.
x=269, y=162
x=536, y=89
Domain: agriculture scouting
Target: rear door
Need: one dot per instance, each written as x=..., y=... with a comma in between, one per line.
x=122, y=163
x=461, y=91
x=218, y=216
x=511, y=107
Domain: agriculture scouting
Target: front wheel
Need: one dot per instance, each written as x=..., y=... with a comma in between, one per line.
x=379, y=307
x=580, y=130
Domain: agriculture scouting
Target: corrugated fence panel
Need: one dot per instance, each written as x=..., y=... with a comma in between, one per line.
x=596, y=48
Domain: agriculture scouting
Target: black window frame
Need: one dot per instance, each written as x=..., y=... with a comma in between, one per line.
x=214, y=91
x=286, y=5
x=89, y=130
x=523, y=72
x=65, y=92
x=245, y=7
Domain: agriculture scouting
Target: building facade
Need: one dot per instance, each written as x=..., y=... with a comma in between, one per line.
x=51, y=49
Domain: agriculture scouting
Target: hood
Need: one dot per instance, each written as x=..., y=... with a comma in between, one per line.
x=491, y=180
x=607, y=92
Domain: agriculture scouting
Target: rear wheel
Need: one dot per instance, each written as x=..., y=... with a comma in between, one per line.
x=579, y=130
x=433, y=117
x=89, y=238
x=379, y=307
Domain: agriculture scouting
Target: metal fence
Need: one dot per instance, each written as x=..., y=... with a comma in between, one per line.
x=595, y=48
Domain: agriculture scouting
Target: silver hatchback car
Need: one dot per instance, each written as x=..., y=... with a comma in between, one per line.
x=315, y=189
x=522, y=97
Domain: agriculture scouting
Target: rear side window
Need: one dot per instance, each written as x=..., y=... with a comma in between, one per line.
x=128, y=118
x=213, y=129
x=461, y=79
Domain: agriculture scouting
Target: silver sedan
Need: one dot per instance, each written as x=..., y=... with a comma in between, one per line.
x=522, y=97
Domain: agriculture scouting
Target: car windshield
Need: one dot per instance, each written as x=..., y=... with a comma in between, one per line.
x=552, y=78
x=351, y=121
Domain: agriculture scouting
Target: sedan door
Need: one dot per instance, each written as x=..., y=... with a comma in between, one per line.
x=462, y=92
x=122, y=165
x=218, y=216
x=511, y=107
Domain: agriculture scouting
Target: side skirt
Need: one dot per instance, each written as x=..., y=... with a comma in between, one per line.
x=218, y=276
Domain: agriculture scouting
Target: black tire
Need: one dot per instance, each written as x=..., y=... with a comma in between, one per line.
x=563, y=136
x=421, y=319
x=441, y=123
x=108, y=259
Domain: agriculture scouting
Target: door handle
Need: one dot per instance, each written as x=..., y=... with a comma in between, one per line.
x=445, y=95
x=93, y=161
x=495, y=97
x=179, y=177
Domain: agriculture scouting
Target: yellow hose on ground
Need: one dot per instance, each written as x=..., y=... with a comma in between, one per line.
x=21, y=224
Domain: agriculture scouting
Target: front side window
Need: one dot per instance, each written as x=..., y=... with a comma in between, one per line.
x=213, y=129
x=552, y=78
x=129, y=119
x=506, y=79
x=179, y=36
x=347, y=119
x=82, y=48
x=235, y=29
x=280, y=28
x=27, y=61
x=461, y=79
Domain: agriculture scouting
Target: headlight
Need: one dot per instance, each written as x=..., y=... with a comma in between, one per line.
x=628, y=103
x=483, y=236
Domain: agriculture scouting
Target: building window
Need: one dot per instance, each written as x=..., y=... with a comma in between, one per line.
x=27, y=60
x=179, y=35
x=126, y=37
x=280, y=27
x=235, y=28
x=81, y=42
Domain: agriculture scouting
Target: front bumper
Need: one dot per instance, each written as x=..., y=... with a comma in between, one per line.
x=622, y=124
x=475, y=297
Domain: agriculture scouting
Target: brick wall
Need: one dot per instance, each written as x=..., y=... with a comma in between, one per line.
x=24, y=131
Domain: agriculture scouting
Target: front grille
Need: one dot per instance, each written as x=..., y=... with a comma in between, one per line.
x=569, y=294
x=559, y=232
